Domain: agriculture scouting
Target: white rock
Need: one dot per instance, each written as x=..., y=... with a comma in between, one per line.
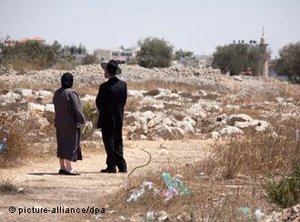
x=49, y=108
x=215, y=135
x=136, y=93
x=10, y=97
x=88, y=98
x=186, y=126
x=148, y=115
x=246, y=124
x=158, y=119
x=242, y=117
x=24, y=92
x=279, y=99
x=238, y=78
x=262, y=126
x=35, y=107
x=44, y=93
x=190, y=120
x=196, y=110
x=230, y=130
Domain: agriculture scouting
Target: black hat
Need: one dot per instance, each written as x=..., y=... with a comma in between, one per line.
x=111, y=67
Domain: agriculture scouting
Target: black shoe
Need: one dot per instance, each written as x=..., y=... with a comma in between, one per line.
x=123, y=171
x=108, y=170
x=72, y=173
x=62, y=172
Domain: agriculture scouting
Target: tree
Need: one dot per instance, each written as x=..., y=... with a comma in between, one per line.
x=154, y=52
x=235, y=58
x=289, y=62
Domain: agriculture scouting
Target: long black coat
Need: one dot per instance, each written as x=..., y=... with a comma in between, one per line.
x=68, y=119
x=110, y=102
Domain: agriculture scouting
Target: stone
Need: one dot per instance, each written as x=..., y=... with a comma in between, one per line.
x=35, y=107
x=10, y=97
x=24, y=92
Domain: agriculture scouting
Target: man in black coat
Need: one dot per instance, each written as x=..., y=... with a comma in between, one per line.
x=110, y=102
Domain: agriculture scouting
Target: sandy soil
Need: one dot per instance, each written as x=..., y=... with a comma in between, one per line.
x=43, y=187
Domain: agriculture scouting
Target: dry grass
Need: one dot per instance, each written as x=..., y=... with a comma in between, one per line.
x=90, y=90
x=21, y=145
x=289, y=90
x=28, y=85
x=258, y=154
x=16, y=143
x=154, y=84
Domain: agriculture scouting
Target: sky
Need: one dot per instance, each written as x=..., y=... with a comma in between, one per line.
x=193, y=25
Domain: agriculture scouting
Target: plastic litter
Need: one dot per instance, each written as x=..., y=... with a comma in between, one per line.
x=245, y=210
x=3, y=141
x=2, y=145
x=156, y=216
x=259, y=214
x=175, y=184
x=150, y=216
x=138, y=193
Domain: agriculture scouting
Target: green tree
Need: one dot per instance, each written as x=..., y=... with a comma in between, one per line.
x=289, y=62
x=154, y=52
x=235, y=58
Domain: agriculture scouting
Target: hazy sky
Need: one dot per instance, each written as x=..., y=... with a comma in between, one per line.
x=195, y=25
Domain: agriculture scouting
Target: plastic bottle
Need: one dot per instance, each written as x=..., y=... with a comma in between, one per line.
x=174, y=183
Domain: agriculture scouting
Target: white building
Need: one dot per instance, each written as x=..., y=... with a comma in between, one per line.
x=120, y=54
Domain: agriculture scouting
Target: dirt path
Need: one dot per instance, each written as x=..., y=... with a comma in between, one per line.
x=44, y=188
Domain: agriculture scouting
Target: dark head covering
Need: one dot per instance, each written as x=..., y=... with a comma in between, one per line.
x=67, y=80
x=111, y=67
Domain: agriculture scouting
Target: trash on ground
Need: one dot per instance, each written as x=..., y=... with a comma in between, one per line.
x=245, y=210
x=3, y=140
x=138, y=193
x=175, y=184
x=157, y=216
x=259, y=214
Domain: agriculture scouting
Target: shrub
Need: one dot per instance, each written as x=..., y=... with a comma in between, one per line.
x=6, y=186
x=154, y=52
x=91, y=114
x=90, y=59
x=286, y=191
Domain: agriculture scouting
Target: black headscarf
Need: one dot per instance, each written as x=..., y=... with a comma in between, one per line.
x=67, y=80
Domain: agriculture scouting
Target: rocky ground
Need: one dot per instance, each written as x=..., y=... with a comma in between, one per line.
x=177, y=106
